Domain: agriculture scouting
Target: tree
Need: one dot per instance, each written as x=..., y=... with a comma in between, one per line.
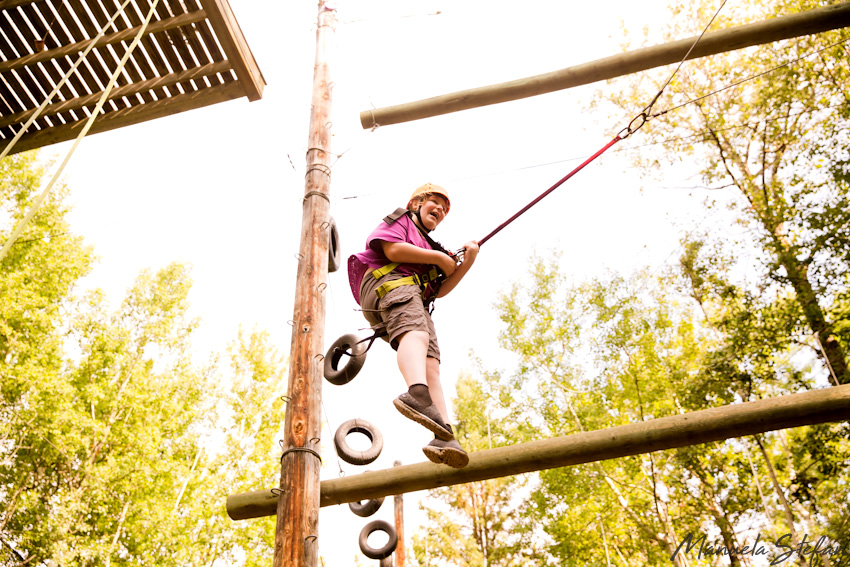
x=779, y=140
x=110, y=433
x=36, y=282
x=251, y=419
x=592, y=356
x=479, y=523
x=617, y=350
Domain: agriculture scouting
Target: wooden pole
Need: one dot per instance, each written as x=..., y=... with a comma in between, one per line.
x=714, y=424
x=398, y=506
x=775, y=29
x=297, y=529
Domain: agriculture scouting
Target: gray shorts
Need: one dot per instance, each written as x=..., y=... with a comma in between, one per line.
x=399, y=311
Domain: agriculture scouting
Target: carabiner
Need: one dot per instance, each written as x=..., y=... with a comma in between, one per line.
x=458, y=256
x=631, y=128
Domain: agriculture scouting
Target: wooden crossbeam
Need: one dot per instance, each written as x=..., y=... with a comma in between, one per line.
x=126, y=90
x=235, y=47
x=715, y=424
x=776, y=29
x=107, y=39
x=134, y=115
x=9, y=4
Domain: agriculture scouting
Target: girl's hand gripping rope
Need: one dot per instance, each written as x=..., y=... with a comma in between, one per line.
x=468, y=252
x=446, y=263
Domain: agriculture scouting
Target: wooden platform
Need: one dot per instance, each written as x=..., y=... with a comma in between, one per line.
x=193, y=54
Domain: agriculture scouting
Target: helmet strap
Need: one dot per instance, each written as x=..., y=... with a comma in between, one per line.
x=419, y=217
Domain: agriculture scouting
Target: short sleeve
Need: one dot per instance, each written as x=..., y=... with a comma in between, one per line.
x=395, y=232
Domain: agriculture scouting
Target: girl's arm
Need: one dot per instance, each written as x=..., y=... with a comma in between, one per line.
x=406, y=253
x=469, y=255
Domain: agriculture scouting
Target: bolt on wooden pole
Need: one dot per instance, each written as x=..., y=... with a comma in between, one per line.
x=297, y=528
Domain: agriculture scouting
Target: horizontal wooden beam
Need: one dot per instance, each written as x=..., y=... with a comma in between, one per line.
x=133, y=115
x=107, y=39
x=715, y=424
x=775, y=29
x=235, y=46
x=126, y=90
x=9, y=4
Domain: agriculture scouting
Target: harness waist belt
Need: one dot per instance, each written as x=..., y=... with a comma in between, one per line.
x=419, y=280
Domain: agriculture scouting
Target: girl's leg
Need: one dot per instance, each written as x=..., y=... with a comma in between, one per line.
x=411, y=354
x=417, y=370
x=440, y=451
x=435, y=388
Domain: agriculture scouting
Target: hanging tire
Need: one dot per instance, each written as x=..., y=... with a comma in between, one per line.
x=367, y=509
x=334, y=248
x=387, y=550
x=352, y=456
x=343, y=375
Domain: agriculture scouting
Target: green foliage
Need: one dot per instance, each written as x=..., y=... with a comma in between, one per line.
x=618, y=350
x=36, y=276
x=775, y=297
x=740, y=318
x=780, y=142
x=622, y=352
x=479, y=523
x=115, y=446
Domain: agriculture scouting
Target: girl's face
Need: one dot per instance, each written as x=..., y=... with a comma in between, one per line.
x=432, y=211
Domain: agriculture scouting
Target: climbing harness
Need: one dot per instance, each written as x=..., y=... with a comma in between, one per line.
x=434, y=276
x=420, y=280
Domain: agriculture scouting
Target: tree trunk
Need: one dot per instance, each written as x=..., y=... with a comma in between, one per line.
x=806, y=297
x=666, y=541
x=727, y=531
x=765, y=202
x=789, y=515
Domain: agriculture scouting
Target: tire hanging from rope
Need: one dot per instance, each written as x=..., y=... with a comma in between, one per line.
x=353, y=456
x=387, y=549
x=366, y=508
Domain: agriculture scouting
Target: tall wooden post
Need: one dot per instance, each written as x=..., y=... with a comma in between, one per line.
x=398, y=505
x=297, y=529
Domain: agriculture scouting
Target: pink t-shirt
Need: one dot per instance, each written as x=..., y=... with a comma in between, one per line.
x=402, y=230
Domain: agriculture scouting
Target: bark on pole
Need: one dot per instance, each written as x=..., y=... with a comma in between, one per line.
x=775, y=29
x=703, y=426
x=297, y=529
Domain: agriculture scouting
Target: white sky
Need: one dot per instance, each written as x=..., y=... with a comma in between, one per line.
x=215, y=186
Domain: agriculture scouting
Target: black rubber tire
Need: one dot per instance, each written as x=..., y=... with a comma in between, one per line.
x=383, y=552
x=367, y=509
x=353, y=364
x=334, y=248
x=348, y=454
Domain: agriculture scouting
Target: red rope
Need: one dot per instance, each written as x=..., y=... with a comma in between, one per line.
x=616, y=139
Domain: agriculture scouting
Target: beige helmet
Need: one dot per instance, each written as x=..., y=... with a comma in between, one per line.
x=429, y=188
